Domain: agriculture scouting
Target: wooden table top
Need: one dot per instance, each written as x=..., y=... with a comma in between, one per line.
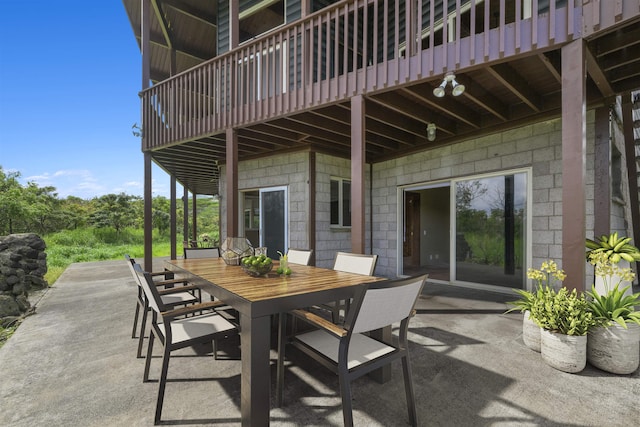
x=303, y=280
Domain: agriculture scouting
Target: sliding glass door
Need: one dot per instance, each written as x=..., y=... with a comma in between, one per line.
x=265, y=218
x=471, y=230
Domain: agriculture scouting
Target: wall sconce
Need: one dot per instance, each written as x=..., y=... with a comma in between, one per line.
x=431, y=132
x=457, y=89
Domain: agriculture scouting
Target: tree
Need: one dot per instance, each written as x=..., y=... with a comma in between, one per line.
x=12, y=205
x=113, y=210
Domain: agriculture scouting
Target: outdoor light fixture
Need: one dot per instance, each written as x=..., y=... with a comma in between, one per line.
x=439, y=91
x=457, y=88
x=431, y=131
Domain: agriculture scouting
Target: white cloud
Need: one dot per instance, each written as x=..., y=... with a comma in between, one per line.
x=85, y=184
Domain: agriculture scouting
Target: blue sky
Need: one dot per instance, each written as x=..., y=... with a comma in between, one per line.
x=70, y=73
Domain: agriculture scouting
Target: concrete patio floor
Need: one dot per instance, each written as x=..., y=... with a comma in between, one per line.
x=73, y=364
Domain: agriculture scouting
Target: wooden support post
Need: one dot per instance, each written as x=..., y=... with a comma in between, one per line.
x=194, y=217
x=185, y=215
x=602, y=174
x=232, y=182
x=632, y=171
x=173, y=218
x=148, y=214
x=358, y=128
x=312, y=207
x=574, y=150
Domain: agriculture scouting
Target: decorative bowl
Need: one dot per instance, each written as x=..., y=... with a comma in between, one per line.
x=255, y=270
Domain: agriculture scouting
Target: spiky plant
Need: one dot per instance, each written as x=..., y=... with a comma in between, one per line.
x=614, y=306
x=614, y=247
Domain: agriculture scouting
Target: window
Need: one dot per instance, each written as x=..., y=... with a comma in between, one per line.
x=340, y=202
x=616, y=174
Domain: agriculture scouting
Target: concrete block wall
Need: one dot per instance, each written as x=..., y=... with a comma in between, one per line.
x=330, y=240
x=537, y=146
x=289, y=170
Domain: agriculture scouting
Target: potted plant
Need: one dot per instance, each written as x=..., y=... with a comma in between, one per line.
x=617, y=250
x=565, y=319
x=614, y=343
x=614, y=247
x=545, y=276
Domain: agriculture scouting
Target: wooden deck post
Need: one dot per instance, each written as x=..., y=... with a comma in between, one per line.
x=602, y=174
x=357, y=173
x=194, y=217
x=145, y=46
x=173, y=218
x=574, y=163
x=185, y=216
x=632, y=172
x=232, y=182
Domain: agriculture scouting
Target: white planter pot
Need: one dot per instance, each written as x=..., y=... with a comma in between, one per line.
x=530, y=332
x=567, y=353
x=614, y=349
x=602, y=286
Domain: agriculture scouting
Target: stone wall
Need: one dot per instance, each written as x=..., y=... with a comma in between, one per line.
x=23, y=264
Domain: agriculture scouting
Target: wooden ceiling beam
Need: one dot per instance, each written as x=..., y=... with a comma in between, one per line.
x=193, y=13
x=551, y=60
x=394, y=120
x=342, y=116
x=162, y=22
x=446, y=105
x=511, y=79
x=409, y=108
x=616, y=41
x=597, y=75
x=483, y=99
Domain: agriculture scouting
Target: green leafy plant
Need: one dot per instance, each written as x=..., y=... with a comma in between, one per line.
x=563, y=311
x=613, y=306
x=546, y=275
x=614, y=247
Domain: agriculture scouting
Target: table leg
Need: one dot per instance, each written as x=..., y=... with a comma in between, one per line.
x=255, y=377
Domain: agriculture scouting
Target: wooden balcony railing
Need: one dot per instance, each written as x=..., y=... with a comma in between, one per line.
x=357, y=46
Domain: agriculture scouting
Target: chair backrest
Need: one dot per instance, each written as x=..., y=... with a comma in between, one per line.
x=299, y=256
x=149, y=288
x=191, y=253
x=380, y=304
x=355, y=263
x=130, y=264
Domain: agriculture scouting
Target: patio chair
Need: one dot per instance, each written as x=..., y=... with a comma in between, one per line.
x=299, y=256
x=349, y=352
x=349, y=263
x=175, y=331
x=171, y=297
x=193, y=253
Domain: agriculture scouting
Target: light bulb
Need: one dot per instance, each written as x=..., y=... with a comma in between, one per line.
x=458, y=88
x=431, y=131
x=439, y=91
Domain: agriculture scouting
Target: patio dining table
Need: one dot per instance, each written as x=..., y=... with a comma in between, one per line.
x=256, y=299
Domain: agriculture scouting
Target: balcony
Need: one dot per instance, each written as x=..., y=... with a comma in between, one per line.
x=290, y=89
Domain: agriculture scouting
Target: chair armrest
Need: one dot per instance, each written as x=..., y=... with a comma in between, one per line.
x=161, y=273
x=171, y=282
x=180, y=289
x=320, y=322
x=191, y=309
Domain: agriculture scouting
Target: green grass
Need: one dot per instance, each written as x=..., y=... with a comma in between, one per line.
x=91, y=244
